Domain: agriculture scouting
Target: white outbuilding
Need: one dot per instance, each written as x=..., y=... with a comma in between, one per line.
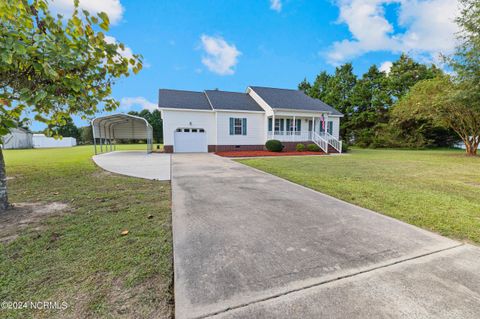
x=17, y=138
x=42, y=141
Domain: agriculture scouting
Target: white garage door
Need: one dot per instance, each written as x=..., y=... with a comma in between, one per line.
x=190, y=140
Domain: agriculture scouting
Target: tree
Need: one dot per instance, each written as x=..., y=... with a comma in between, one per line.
x=441, y=101
x=69, y=129
x=155, y=120
x=405, y=73
x=305, y=86
x=55, y=67
x=86, y=134
x=371, y=102
x=337, y=92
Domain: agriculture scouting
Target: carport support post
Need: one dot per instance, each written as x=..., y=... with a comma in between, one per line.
x=94, y=138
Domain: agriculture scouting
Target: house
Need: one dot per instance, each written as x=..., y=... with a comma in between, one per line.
x=17, y=138
x=42, y=141
x=214, y=121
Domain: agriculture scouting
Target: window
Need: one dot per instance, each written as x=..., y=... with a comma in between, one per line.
x=186, y=130
x=238, y=126
x=202, y=130
x=330, y=127
x=179, y=129
x=279, y=125
x=294, y=127
x=194, y=130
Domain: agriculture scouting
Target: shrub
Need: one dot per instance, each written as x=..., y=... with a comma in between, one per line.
x=274, y=146
x=313, y=148
x=300, y=147
x=344, y=147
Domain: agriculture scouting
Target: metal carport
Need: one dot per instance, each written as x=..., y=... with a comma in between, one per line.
x=107, y=129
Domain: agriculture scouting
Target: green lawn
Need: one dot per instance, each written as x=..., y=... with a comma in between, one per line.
x=78, y=255
x=438, y=190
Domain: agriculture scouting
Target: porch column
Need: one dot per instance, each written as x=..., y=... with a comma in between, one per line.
x=326, y=123
x=294, y=129
x=273, y=125
x=313, y=127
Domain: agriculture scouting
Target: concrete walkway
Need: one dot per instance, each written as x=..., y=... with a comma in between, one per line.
x=251, y=245
x=136, y=163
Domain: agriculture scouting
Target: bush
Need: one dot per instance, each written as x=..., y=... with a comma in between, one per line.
x=344, y=147
x=274, y=146
x=300, y=147
x=313, y=148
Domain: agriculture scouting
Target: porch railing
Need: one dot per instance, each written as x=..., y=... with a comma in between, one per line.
x=336, y=144
x=320, y=141
x=290, y=136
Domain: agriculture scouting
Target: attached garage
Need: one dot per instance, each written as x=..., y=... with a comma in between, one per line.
x=190, y=140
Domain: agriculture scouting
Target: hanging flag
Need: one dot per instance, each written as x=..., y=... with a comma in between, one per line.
x=323, y=122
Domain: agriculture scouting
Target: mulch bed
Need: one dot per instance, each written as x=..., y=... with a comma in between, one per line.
x=265, y=153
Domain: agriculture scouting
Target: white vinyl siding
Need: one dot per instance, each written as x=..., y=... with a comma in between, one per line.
x=172, y=120
x=254, y=133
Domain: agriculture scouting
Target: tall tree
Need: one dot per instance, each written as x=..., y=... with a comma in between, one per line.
x=338, y=93
x=405, y=73
x=305, y=86
x=320, y=86
x=371, y=101
x=55, y=67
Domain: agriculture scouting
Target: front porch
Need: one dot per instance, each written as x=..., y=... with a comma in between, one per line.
x=319, y=130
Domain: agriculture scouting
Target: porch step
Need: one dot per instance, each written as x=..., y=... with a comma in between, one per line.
x=331, y=149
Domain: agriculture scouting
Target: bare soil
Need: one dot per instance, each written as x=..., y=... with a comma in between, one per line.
x=23, y=215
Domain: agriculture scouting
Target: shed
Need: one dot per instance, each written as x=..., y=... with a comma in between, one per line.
x=17, y=138
x=42, y=141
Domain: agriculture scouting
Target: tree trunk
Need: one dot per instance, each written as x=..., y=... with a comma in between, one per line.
x=471, y=146
x=3, y=184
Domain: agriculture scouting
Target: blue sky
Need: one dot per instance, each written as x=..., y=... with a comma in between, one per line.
x=197, y=45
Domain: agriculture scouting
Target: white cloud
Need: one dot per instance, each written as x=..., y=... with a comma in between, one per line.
x=126, y=52
x=276, y=5
x=386, y=66
x=127, y=103
x=429, y=28
x=113, y=8
x=220, y=57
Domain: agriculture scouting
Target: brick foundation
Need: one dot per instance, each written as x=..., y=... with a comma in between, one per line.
x=289, y=146
x=292, y=146
x=230, y=148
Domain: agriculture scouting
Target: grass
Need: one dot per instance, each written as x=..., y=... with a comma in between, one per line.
x=438, y=190
x=79, y=256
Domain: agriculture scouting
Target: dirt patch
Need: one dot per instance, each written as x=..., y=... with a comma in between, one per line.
x=22, y=215
x=473, y=184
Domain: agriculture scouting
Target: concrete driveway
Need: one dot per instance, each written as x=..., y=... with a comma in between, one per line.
x=251, y=245
x=136, y=163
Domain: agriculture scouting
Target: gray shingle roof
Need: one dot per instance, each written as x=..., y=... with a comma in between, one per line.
x=222, y=100
x=292, y=100
x=179, y=99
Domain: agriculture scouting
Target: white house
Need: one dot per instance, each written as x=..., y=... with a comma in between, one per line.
x=213, y=120
x=17, y=138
